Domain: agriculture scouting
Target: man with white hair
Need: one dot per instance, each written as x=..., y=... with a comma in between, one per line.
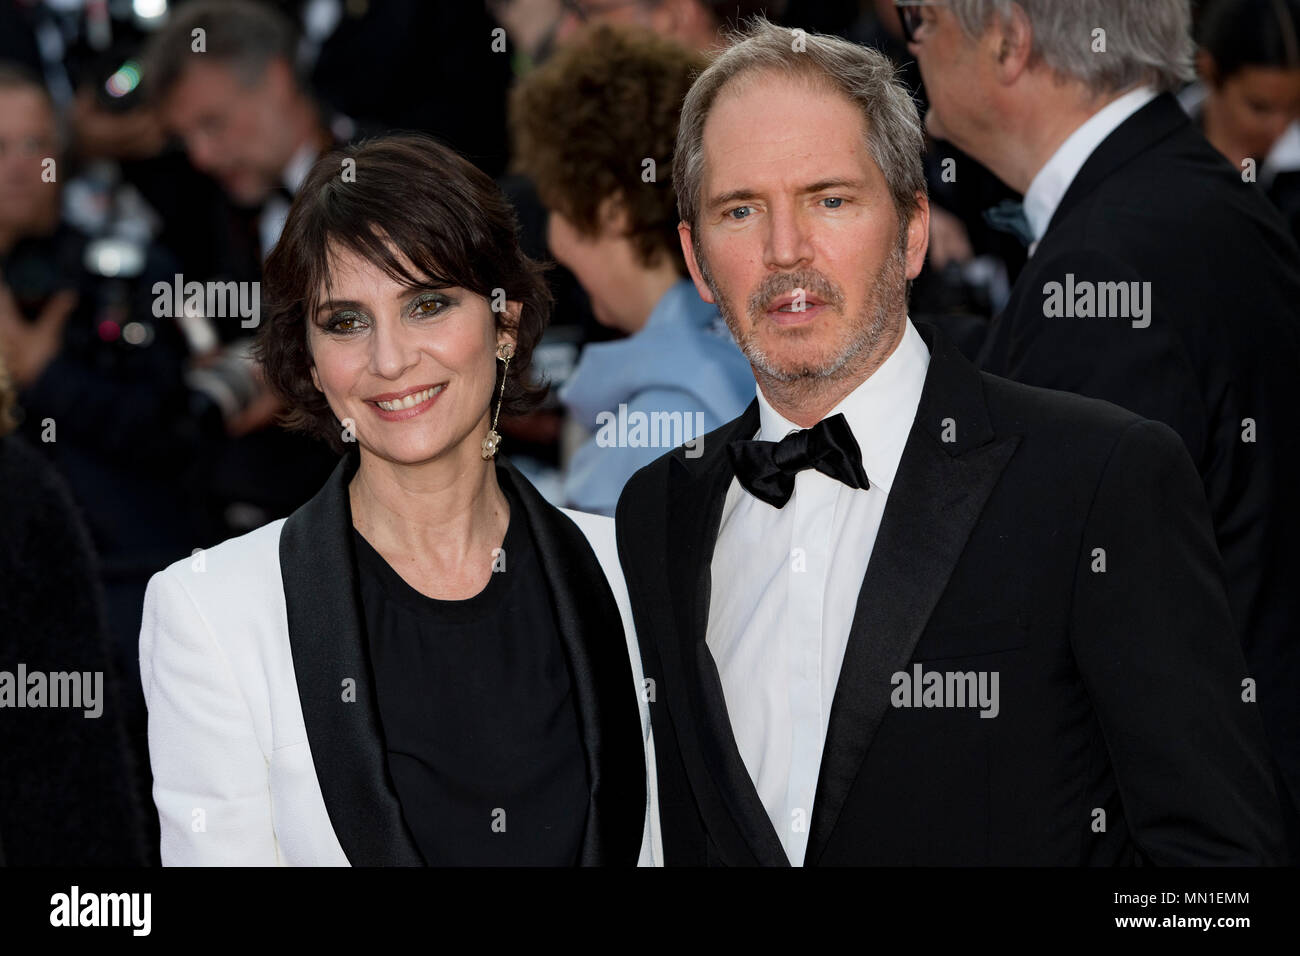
x=1159, y=276
x=901, y=611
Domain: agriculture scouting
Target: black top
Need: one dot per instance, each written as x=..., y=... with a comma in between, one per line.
x=479, y=717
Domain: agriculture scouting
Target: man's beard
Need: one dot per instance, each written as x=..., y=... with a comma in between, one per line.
x=869, y=327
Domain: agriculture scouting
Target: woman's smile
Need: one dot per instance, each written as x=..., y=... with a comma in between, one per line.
x=400, y=406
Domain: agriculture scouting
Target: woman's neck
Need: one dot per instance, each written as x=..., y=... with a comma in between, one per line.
x=436, y=523
x=653, y=283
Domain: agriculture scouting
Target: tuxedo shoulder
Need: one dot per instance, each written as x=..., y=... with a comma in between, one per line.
x=652, y=476
x=645, y=492
x=1064, y=423
x=243, y=565
x=1164, y=176
x=1138, y=216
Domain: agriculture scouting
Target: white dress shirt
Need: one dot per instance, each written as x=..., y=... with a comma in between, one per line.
x=1053, y=180
x=785, y=585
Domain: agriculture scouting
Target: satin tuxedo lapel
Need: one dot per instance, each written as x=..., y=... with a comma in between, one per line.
x=936, y=499
x=328, y=641
x=697, y=493
x=937, y=496
x=589, y=623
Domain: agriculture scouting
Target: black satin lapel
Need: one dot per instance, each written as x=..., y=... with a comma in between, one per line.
x=697, y=497
x=328, y=641
x=933, y=506
x=591, y=628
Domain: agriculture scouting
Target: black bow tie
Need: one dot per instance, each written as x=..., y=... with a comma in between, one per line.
x=767, y=468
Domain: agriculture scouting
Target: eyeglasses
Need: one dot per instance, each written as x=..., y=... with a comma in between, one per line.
x=911, y=15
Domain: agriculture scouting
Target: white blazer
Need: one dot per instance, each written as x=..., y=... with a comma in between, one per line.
x=264, y=734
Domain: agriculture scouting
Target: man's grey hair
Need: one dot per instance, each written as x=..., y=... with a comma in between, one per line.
x=1146, y=41
x=241, y=34
x=894, y=135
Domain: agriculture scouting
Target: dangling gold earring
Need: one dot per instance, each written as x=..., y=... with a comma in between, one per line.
x=490, y=442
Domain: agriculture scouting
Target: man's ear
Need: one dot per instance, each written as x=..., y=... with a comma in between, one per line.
x=918, y=236
x=1014, y=37
x=692, y=266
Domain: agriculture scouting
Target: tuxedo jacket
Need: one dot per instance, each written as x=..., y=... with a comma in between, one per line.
x=1060, y=542
x=264, y=731
x=1219, y=361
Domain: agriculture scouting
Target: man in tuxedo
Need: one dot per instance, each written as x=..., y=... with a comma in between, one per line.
x=902, y=611
x=1159, y=277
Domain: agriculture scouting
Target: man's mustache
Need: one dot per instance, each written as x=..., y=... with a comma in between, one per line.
x=813, y=284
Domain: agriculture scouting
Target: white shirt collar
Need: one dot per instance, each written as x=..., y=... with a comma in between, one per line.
x=1053, y=180
x=880, y=411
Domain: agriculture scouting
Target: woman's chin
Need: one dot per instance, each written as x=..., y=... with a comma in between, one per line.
x=413, y=449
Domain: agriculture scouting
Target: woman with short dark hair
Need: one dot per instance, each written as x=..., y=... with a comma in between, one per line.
x=427, y=662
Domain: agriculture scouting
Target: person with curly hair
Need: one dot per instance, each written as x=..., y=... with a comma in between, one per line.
x=594, y=128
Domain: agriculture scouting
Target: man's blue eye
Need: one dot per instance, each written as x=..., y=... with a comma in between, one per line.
x=835, y=199
x=732, y=213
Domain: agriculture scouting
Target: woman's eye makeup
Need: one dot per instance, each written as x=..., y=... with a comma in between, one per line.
x=429, y=304
x=426, y=305
x=343, y=322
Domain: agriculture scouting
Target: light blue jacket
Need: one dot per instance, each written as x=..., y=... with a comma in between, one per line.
x=682, y=368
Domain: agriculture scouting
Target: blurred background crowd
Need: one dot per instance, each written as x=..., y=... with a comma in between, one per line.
x=140, y=428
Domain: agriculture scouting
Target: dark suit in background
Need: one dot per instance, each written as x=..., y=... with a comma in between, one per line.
x=1119, y=690
x=1219, y=363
